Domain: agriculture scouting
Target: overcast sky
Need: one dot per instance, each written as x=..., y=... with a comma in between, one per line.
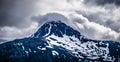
x=96, y=19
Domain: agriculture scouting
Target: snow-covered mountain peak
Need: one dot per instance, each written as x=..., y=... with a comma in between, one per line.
x=55, y=41
x=57, y=33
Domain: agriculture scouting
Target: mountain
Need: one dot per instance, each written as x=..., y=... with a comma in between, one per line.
x=55, y=41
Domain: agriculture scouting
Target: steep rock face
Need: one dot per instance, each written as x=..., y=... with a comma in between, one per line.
x=58, y=42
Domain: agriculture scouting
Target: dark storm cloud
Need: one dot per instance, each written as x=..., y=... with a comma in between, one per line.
x=15, y=18
x=5, y=8
x=117, y=2
x=15, y=12
x=103, y=2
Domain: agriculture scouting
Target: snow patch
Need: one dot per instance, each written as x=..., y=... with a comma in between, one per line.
x=55, y=53
x=43, y=48
x=87, y=49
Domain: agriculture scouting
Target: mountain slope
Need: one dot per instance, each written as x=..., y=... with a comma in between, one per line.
x=58, y=42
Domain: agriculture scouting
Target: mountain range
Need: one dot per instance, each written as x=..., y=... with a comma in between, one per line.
x=56, y=41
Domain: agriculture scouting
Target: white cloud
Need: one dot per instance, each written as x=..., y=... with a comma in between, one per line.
x=10, y=33
x=91, y=29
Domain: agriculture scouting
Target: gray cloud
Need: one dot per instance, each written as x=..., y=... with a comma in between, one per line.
x=15, y=19
x=104, y=2
x=16, y=12
x=99, y=18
